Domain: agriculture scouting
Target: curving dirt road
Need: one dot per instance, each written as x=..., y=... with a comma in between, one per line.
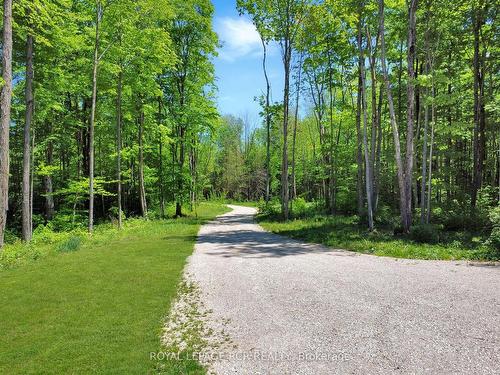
x=295, y=308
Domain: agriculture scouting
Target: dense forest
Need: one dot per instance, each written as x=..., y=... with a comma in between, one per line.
x=389, y=109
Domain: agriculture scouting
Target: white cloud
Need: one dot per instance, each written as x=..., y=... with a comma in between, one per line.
x=239, y=38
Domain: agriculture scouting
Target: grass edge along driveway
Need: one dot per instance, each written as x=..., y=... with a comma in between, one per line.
x=99, y=309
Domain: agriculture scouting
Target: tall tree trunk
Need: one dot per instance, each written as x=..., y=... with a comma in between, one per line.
x=286, y=97
x=5, y=104
x=376, y=177
x=331, y=160
x=412, y=30
x=92, y=117
x=26, y=212
x=267, y=114
x=375, y=121
x=119, y=144
x=400, y=77
x=32, y=177
x=296, y=120
x=180, y=179
x=479, y=123
x=433, y=126
x=142, y=189
x=359, y=150
x=161, y=182
x=368, y=170
x=194, y=174
x=395, y=130
x=47, y=181
x=423, y=203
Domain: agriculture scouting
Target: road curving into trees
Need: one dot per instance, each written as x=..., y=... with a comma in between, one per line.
x=297, y=308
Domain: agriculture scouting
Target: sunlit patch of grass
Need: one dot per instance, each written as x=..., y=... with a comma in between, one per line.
x=344, y=233
x=99, y=309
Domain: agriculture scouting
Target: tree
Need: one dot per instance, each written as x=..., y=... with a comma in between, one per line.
x=479, y=142
x=411, y=46
x=95, y=63
x=295, y=124
x=267, y=116
x=393, y=115
x=405, y=171
x=5, y=106
x=282, y=20
x=194, y=43
x=27, y=220
x=368, y=165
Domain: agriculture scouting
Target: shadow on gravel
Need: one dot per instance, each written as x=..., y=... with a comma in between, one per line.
x=235, y=219
x=257, y=244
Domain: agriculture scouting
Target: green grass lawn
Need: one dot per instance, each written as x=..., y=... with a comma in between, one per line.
x=99, y=309
x=344, y=233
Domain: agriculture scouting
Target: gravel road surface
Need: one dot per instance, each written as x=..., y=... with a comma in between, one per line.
x=296, y=308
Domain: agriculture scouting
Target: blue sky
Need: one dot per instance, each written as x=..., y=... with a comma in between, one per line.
x=239, y=65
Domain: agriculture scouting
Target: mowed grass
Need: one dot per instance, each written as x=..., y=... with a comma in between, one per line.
x=343, y=232
x=99, y=309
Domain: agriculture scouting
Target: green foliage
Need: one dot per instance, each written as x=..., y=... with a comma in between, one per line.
x=386, y=217
x=299, y=207
x=71, y=244
x=454, y=221
x=424, y=233
x=343, y=232
x=10, y=237
x=494, y=239
x=16, y=253
x=66, y=307
x=271, y=209
x=159, y=55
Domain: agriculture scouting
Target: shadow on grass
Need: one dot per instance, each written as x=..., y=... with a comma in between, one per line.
x=327, y=230
x=180, y=238
x=344, y=232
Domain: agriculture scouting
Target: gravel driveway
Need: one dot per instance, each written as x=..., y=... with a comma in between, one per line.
x=296, y=308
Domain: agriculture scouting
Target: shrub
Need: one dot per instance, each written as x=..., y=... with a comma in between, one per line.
x=65, y=221
x=299, y=207
x=271, y=209
x=18, y=253
x=45, y=234
x=385, y=216
x=424, y=233
x=465, y=221
x=10, y=237
x=113, y=212
x=71, y=244
x=454, y=222
x=494, y=239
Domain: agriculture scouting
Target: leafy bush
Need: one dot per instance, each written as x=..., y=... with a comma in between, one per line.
x=10, y=237
x=454, y=222
x=18, y=253
x=113, y=212
x=494, y=239
x=424, y=233
x=385, y=216
x=466, y=221
x=271, y=209
x=65, y=221
x=38, y=219
x=347, y=200
x=299, y=206
x=45, y=234
x=71, y=244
